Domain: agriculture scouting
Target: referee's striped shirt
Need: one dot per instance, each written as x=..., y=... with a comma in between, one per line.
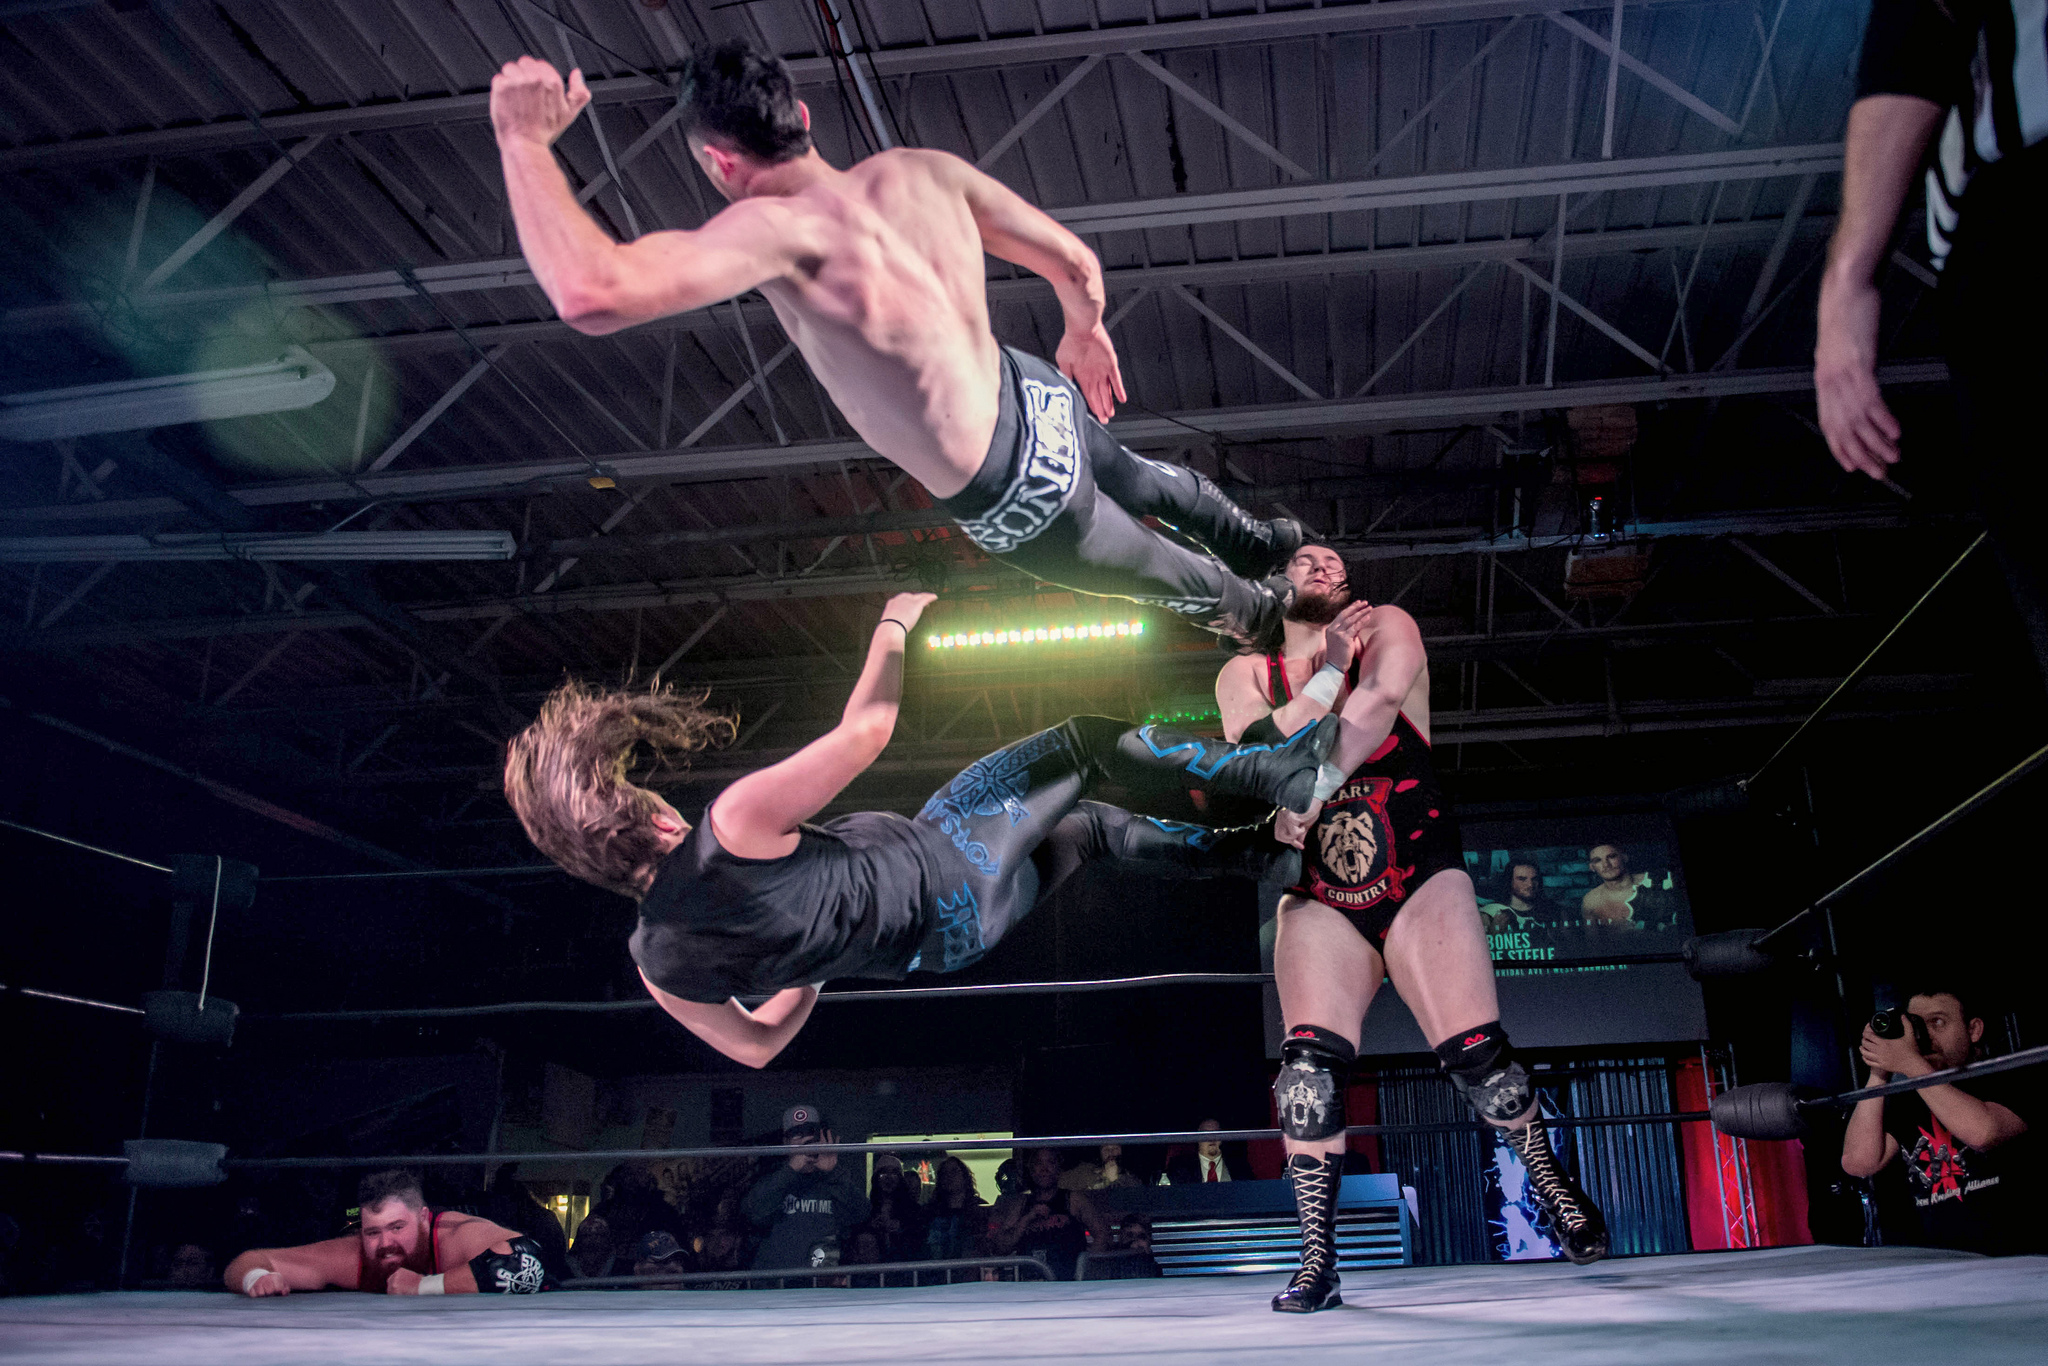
x=1987, y=61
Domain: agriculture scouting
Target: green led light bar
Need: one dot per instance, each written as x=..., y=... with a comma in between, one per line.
x=1036, y=635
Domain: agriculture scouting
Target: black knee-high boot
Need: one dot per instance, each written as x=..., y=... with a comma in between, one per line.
x=1580, y=1228
x=1173, y=850
x=1315, y=1178
x=1283, y=773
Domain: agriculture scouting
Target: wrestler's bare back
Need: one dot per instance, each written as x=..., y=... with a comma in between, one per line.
x=887, y=302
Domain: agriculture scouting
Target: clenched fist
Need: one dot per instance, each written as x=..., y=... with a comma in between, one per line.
x=530, y=103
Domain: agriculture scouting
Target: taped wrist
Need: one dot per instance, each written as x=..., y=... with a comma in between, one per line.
x=1325, y=686
x=253, y=1275
x=1309, y=1091
x=433, y=1285
x=1481, y=1064
x=1329, y=778
x=515, y=1272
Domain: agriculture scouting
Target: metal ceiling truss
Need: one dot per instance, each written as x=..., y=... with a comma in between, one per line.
x=473, y=106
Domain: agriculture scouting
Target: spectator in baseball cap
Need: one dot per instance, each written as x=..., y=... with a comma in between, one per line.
x=658, y=1253
x=808, y=1202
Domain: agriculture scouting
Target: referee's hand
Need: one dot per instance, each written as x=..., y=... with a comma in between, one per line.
x=1860, y=429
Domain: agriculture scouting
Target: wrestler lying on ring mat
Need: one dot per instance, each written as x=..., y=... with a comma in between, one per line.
x=756, y=901
x=1384, y=893
x=400, y=1248
x=877, y=276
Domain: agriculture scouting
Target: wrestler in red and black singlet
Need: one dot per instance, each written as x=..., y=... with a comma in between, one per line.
x=1381, y=835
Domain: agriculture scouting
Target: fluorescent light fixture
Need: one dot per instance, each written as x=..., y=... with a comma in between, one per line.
x=261, y=545
x=1036, y=635
x=294, y=380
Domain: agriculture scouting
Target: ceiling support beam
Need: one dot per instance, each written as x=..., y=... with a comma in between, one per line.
x=1038, y=111
x=1230, y=123
x=926, y=59
x=1252, y=422
x=875, y=581
x=218, y=224
x=511, y=273
x=1656, y=79
x=1598, y=323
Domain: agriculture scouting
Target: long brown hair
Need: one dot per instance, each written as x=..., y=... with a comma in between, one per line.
x=566, y=776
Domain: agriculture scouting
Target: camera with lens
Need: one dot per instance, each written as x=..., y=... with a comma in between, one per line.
x=1892, y=1024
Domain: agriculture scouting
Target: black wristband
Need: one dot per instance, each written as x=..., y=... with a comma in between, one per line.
x=891, y=621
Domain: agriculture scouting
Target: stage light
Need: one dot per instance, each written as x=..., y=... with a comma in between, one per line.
x=294, y=380
x=1036, y=635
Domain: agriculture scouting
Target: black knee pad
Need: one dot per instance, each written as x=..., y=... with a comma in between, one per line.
x=1481, y=1064
x=1310, y=1088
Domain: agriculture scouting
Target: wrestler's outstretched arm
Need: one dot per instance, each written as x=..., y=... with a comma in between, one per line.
x=265, y=1271
x=596, y=284
x=1015, y=230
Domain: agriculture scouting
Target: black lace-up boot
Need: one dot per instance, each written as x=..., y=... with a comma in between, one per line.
x=1574, y=1218
x=1314, y=1178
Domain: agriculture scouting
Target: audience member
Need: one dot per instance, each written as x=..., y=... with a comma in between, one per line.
x=1208, y=1162
x=1045, y=1221
x=722, y=1249
x=956, y=1222
x=806, y=1204
x=658, y=1254
x=895, y=1218
x=1134, y=1234
x=1106, y=1172
x=190, y=1267
x=1966, y=1148
x=595, y=1248
x=631, y=1205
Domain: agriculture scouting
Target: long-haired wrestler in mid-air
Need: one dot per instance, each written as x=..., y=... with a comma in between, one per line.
x=1383, y=893
x=754, y=900
x=877, y=275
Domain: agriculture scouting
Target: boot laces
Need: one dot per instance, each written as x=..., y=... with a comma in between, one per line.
x=1553, y=1187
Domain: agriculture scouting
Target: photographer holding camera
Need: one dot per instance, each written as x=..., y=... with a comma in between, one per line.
x=1963, y=1145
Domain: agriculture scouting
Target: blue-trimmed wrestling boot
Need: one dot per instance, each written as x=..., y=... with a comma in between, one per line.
x=1283, y=773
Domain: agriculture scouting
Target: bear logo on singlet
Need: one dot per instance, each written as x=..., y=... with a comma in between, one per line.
x=1045, y=476
x=1354, y=848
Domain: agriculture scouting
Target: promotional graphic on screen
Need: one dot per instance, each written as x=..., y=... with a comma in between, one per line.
x=1560, y=898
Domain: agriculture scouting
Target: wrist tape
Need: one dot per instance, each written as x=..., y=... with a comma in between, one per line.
x=253, y=1275
x=1324, y=687
x=1329, y=778
x=433, y=1285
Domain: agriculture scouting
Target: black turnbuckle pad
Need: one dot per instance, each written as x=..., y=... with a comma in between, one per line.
x=180, y=1017
x=1765, y=1110
x=174, y=1163
x=1731, y=953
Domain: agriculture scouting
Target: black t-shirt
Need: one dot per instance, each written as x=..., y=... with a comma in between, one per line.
x=1978, y=1201
x=1986, y=62
x=853, y=899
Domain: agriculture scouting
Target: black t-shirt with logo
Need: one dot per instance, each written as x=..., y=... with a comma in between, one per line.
x=1977, y=1201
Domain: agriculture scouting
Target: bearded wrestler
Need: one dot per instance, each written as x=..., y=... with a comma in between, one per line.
x=1383, y=893
x=400, y=1248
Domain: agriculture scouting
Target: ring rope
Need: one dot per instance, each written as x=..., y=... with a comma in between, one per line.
x=206, y=964
x=72, y=1000
x=416, y=873
x=81, y=844
x=2010, y=1062
x=804, y=1272
x=1855, y=675
x=1968, y=806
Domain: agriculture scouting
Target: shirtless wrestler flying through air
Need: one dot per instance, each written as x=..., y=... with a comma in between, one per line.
x=400, y=1248
x=754, y=900
x=1383, y=892
x=876, y=274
